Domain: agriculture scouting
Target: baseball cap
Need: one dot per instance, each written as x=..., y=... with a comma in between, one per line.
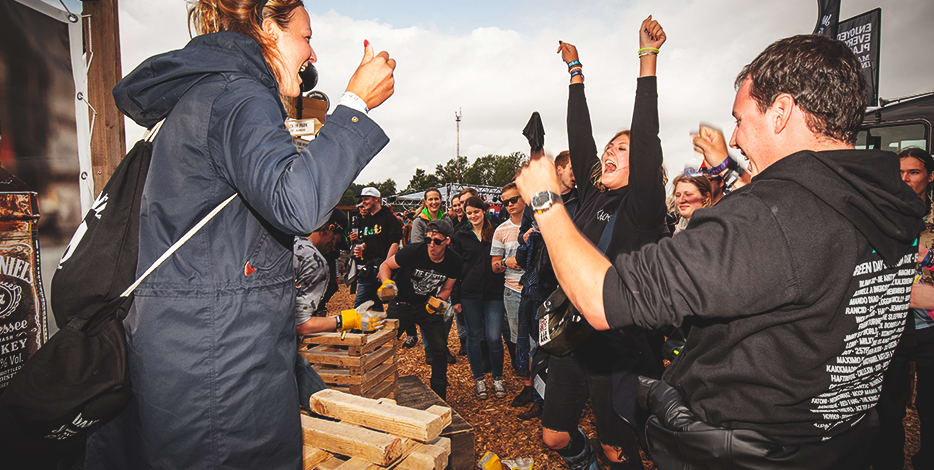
x=369, y=191
x=442, y=226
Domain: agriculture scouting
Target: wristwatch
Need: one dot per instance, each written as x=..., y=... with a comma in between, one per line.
x=543, y=200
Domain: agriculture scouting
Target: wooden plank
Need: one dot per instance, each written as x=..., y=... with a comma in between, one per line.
x=353, y=441
x=338, y=376
x=386, y=400
x=357, y=463
x=378, y=339
x=330, y=464
x=443, y=411
x=412, y=392
x=334, y=358
x=377, y=356
x=391, y=418
x=377, y=375
x=384, y=389
x=352, y=339
x=312, y=456
x=432, y=456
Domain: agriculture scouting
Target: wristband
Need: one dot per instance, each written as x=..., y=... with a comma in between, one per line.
x=649, y=50
x=576, y=73
x=574, y=63
x=643, y=54
x=719, y=168
x=340, y=322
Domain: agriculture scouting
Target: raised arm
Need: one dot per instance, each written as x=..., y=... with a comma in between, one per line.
x=645, y=161
x=581, y=146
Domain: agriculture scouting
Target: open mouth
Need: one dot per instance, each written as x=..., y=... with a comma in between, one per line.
x=609, y=167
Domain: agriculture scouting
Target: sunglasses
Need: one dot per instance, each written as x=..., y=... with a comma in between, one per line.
x=511, y=201
x=436, y=241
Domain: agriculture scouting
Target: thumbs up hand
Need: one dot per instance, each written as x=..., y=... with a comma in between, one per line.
x=373, y=80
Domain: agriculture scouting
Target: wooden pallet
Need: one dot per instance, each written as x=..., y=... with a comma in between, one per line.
x=363, y=364
x=373, y=434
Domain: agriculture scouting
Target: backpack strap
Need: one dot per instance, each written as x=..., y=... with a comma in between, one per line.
x=190, y=233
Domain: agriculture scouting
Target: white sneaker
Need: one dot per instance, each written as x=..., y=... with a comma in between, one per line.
x=499, y=388
x=481, y=389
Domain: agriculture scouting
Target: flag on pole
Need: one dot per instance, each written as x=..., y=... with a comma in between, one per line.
x=828, y=14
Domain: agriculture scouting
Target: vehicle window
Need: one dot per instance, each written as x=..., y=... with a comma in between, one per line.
x=893, y=138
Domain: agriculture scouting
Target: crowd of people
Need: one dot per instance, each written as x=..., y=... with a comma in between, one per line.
x=796, y=292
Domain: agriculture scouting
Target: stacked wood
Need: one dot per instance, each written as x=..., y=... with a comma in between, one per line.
x=373, y=434
x=359, y=363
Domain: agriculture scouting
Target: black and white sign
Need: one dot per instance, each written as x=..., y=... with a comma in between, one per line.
x=862, y=34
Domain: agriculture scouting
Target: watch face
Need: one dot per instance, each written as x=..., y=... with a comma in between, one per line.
x=542, y=199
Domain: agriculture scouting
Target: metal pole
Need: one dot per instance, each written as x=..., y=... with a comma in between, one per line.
x=457, y=121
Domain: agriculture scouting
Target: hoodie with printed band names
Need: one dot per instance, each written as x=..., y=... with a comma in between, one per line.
x=798, y=287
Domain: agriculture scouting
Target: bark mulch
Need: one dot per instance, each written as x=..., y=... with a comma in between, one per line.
x=496, y=426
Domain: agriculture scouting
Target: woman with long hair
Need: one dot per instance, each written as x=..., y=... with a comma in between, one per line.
x=622, y=207
x=430, y=210
x=480, y=298
x=917, y=342
x=688, y=194
x=211, y=333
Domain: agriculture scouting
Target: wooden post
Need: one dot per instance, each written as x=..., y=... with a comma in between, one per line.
x=102, y=36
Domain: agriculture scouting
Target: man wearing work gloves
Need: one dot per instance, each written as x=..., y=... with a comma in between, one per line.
x=427, y=272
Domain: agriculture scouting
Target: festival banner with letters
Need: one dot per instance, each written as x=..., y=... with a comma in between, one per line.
x=862, y=33
x=828, y=15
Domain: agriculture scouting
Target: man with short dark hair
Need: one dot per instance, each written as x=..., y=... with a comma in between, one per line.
x=798, y=283
x=426, y=275
x=379, y=235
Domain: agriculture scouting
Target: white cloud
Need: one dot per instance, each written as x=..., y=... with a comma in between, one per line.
x=498, y=74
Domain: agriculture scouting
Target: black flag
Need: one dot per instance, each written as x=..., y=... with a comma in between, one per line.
x=535, y=132
x=862, y=34
x=828, y=14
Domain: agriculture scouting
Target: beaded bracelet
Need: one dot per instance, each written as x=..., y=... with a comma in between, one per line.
x=575, y=69
x=643, y=54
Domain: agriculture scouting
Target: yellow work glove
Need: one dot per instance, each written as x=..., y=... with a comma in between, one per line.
x=435, y=305
x=350, y=319
x=387, y=291
x=371, y=321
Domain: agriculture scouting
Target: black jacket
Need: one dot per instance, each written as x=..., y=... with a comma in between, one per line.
x=477, y=279
x=799, y=286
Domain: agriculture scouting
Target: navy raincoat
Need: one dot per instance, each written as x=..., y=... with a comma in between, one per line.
x=212, y=332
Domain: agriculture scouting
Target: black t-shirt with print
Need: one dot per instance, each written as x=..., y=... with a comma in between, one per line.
x=419, y=277
x=379, y=231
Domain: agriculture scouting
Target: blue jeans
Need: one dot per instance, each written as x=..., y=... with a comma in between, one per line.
x=366, y=290
x=511, y=301
x=484, y=321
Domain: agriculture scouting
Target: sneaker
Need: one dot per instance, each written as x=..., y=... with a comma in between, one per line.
x=451, y=358
x=523, y=398
x=499, y=388
x=409, y=342
x=533, y=411
x=481, y=389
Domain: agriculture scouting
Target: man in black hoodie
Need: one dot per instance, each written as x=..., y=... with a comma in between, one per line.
x=798, y=282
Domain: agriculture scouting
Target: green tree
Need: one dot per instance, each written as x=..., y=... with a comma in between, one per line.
x=452, y=171
x=421, y=180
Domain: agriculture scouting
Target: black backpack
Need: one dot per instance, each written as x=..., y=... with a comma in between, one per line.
x=79, y=379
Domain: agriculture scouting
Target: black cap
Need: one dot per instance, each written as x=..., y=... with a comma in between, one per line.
x=442, y=226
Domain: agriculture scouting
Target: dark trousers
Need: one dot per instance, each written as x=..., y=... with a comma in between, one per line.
x=888, y=450
x=433, y=333
x=528, y=306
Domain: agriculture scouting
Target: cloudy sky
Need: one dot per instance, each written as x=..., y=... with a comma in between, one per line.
x=496, y=61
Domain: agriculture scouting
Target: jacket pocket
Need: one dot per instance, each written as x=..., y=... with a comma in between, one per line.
x=267, y=253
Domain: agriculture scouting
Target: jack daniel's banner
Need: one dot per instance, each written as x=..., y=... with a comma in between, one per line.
x=862, y=34
x=23, y=327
